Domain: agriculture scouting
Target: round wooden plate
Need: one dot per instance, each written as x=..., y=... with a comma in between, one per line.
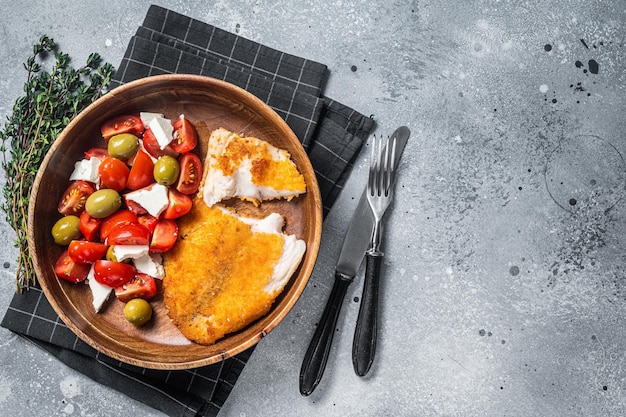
x=209, y=104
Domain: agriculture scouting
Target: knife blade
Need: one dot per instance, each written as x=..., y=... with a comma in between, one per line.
x=355, y=244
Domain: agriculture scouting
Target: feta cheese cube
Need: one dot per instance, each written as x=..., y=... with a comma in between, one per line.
x=151, y=264
x=100, y=293
x=146, y=117
x=162, y=130
x=152, y=198
x=87, y=170
x=123, y=252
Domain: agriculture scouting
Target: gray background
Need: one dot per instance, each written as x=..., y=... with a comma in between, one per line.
x=500, y=296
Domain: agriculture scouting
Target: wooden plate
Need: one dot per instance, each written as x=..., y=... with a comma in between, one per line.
x=209, y=104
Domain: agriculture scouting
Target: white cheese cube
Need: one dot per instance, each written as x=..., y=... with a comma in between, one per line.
x=100, y=292
x=162, y=130
x=151, y=264
x=153, y=198
x=146, y=117
x=123, y=252
x=87, y=170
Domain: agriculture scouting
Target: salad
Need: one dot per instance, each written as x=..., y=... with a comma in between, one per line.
x=119, y=211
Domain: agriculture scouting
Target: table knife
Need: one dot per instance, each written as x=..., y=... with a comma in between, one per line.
x=355, y=244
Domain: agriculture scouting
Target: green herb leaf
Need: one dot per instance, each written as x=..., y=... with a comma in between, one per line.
x=51, y=99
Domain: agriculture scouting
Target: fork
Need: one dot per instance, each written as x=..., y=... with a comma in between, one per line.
x=379, y=195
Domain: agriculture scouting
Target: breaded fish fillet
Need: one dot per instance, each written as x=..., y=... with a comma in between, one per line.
x=226, y=270
x=248, y=168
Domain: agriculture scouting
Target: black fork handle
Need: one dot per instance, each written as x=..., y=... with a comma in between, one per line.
x=365, y=334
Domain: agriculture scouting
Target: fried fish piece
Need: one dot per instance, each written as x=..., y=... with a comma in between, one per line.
x=248, y=168
x=226, y=270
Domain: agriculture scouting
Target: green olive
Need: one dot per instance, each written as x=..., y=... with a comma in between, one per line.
x=66, y=229
x=110, y=255
x=123, y=146
x=103, y=203
x=138, y=311
x=166, y=170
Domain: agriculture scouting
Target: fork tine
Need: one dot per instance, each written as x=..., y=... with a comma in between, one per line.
x=385, y=180
x=372, y=171
x=378, y=167
x=390, y=160
x=383, y=166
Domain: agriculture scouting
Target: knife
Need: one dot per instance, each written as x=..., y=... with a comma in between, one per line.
x=355, y=244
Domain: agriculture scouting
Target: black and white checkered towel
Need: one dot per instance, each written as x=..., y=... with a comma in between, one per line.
x=332, y=134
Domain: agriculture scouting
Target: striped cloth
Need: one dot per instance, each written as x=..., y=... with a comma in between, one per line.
x=331, y=133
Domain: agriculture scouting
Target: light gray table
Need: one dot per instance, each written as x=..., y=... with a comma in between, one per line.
x=504, y=292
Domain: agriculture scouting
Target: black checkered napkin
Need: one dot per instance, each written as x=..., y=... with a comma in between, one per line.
x=332, y=134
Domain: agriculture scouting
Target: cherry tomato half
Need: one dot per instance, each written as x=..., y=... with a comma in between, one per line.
x=185, y=136
x=128, y=123
x=99, y=153
x=113, y=174
x=119, y=217
x=141, y=286
x=69, y=270
x=190, y=173
x=128, y=234
x=179, y=204
x=151, y=145
x=164, y=236
x=113, y=273
x=83, y=251
x=148, y=221
x=74, y=198
x=89, y=226
x=135, y=207
x=140, y=172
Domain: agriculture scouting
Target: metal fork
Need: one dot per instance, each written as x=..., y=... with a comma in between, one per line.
x=379, y=195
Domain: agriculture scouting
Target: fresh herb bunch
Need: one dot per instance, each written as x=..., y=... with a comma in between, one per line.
x=51, y=100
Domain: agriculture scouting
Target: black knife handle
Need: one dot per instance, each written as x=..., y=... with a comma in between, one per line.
x=364, y=343
x=316, y=355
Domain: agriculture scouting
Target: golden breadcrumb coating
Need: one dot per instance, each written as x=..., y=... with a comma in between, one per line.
x=216, y=272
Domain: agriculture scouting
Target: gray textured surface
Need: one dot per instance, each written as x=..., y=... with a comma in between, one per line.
x=501, y=297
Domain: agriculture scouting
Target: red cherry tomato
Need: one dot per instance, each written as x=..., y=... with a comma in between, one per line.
x=148, y=221
x=128, y=234
x=83, y=251
x=141, y=171
x=135, y=207
x=113, y=273
x=119, y=217
x=141, y=286
x=128, y=123
x=151, y=145
x=89, y=226
x=179, y=204
x=190, y=173
x=164, y=236
x=185, y=136
x=100, y=153
x=74, y=198
x=113, y=174
x=69, y=270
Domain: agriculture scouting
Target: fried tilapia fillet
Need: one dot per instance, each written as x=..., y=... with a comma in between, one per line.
x=248, y=168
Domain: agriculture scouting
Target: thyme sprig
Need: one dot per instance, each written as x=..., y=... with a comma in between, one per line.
x=52, y=98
